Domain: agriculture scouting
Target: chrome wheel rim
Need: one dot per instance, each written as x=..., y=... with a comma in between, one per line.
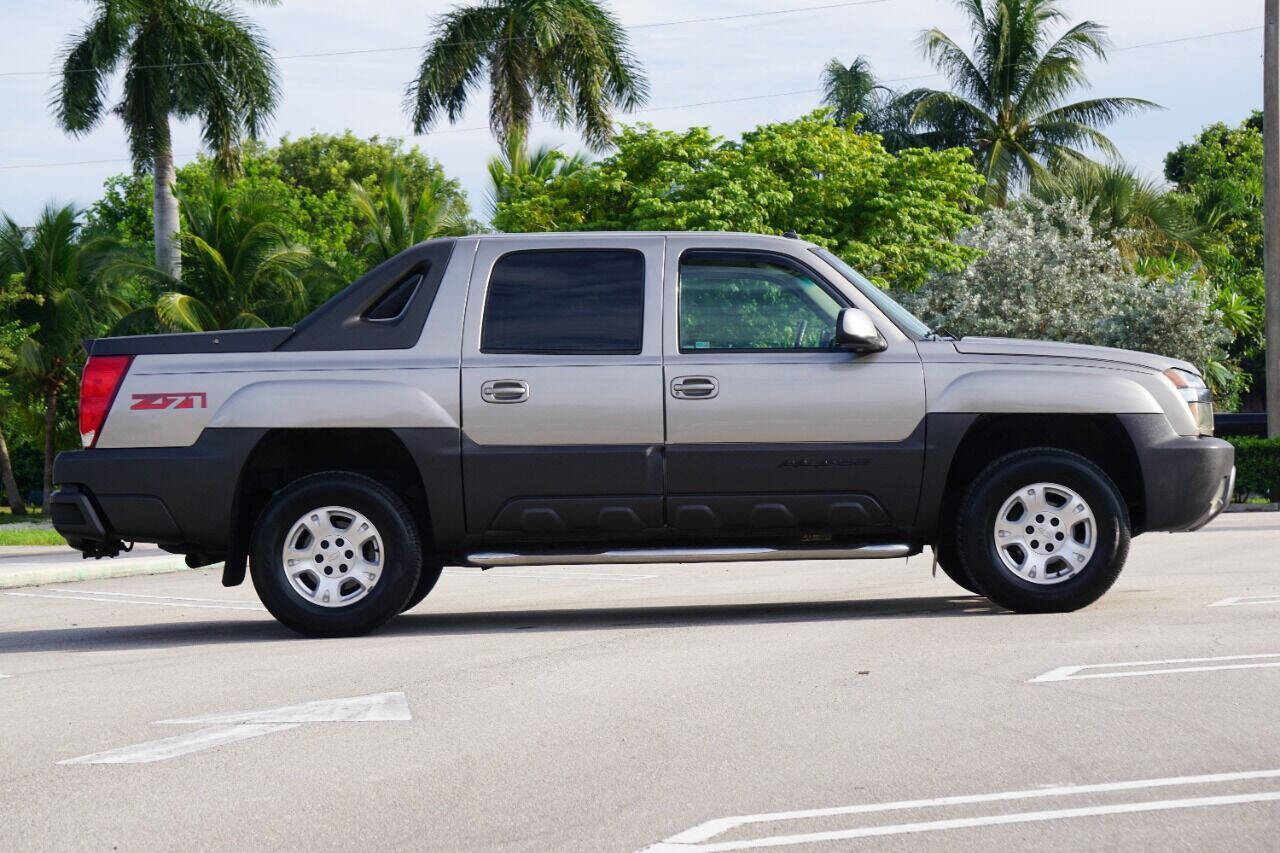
x=333, y=556
x=1045, y=533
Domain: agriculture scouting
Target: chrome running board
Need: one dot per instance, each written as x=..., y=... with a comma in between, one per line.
x=492, y=559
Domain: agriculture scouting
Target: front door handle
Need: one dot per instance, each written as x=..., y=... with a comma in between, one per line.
x=505, y=391
x=694, y=387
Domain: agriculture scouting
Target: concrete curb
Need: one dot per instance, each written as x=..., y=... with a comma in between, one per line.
x=93, y=570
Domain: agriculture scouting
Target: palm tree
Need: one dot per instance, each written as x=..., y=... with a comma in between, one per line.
x=393, y=223
x=851, y=90
x=186, y=58
x=66, y=304
x=240, y=269
x=1142, y=218
x=569, y=58
x=517, y=163
x=1008, y=104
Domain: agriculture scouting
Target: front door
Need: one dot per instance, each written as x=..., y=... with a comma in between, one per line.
x=770, y=428
x=561, y=381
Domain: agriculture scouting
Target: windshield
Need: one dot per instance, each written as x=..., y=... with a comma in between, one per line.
x=902, y=318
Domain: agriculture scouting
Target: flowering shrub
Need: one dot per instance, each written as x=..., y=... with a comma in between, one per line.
x=1046, y=274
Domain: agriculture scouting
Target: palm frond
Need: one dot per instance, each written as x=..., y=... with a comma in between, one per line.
x=181, y=312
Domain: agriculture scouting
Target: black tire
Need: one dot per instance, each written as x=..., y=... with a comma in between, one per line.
x=951, y=565
x=975, y=526
x=426, y=582
x=401, y=560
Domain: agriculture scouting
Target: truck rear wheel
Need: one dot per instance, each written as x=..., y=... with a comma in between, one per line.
x=335, y=554
x=1043, y=531
x=949, y=561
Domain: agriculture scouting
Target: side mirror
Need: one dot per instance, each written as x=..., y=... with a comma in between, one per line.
x=856, y=332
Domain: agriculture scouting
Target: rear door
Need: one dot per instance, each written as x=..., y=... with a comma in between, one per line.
x=562, y=387
x=770, y=428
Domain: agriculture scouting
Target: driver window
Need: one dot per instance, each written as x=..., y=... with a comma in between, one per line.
x=732, y=302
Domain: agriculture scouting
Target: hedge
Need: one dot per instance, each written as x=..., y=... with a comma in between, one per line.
x=1257, y=467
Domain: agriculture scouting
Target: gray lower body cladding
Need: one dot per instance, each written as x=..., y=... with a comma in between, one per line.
x=185, y=498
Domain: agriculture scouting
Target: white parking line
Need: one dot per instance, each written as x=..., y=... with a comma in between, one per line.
x=697, y=837
x=142, y=595
x=1247, y=601
x=184, y=744
x=1163, y=667
x=105, y=600
x=967, y=822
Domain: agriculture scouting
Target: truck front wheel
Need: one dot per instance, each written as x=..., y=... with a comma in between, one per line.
x=1043, y=531
x=335, y=554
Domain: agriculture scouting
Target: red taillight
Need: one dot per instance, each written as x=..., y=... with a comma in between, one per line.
x=102, y=377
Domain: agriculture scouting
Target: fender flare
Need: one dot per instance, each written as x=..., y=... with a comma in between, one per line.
x=1036, y=391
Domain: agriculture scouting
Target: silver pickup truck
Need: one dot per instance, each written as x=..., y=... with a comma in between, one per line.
x=627, y=398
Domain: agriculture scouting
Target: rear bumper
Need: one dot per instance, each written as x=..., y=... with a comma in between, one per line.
x=77, y=518
x=1187, y=480
x=179, y=497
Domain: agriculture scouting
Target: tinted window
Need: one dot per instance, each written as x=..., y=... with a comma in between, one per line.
x=565, y=301
x=740, y=302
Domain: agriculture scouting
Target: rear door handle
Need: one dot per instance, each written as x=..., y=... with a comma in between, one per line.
x=694, y=387
x=505, y=391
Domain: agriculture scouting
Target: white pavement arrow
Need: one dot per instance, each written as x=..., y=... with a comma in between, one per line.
x=229, y=728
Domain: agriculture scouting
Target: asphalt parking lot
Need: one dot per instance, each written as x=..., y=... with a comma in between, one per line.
x=816, y=706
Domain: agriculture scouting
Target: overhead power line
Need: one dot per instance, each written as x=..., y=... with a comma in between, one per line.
x=1186, y=38
x=402, y=48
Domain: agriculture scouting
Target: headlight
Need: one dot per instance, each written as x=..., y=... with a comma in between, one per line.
x=1192, y=389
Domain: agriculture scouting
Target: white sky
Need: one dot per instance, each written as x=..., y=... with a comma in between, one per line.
x=1198, y=82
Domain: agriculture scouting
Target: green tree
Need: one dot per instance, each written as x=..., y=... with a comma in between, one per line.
x=1218, y=182
x=241, y=270
x=516, y=163
x=12, y=333
x=193, y=59
x=307, y=179
x=894, y=217
x=397, y=222
x=568, y=58
x=67, y=303
x=858, y=101
x=1140, y=216
x=1008, y=102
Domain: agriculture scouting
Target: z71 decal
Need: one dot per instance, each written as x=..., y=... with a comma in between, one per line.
x=184, y=400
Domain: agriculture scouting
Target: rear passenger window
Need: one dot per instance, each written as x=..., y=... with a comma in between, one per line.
x=565, y=301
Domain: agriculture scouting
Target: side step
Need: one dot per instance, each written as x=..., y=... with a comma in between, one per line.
x=492, y=559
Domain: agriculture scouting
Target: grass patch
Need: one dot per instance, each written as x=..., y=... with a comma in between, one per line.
x=31, y=536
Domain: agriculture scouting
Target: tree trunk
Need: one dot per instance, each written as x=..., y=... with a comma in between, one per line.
x=12, y=495
x=164, y=207
x=50, y=443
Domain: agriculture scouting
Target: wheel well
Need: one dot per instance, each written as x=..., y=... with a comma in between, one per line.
x=1101, y=439
x=284, y=455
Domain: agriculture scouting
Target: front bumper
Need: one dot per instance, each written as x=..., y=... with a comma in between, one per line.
x=1219, y=502
x=1187, y=480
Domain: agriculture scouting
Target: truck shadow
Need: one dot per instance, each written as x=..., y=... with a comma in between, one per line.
x=426, y=623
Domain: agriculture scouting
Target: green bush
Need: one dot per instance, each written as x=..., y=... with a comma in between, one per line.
x=1257, y=467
